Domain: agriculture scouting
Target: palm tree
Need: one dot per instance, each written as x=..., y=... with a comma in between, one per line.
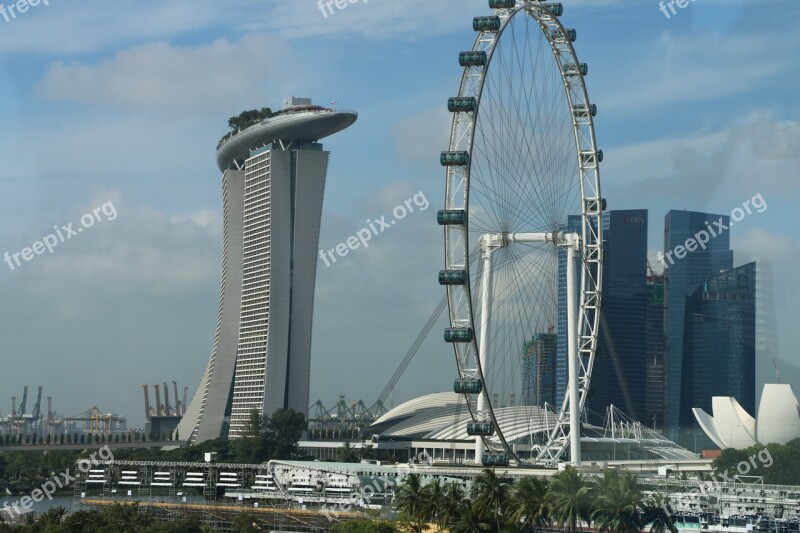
x=490, y=495
x=452, y=504
x=530, y=503
x=658, y=514
x=347, y=454
x=570, y=498
x=470, y=521
x=617, y=504
x=434, y=500
x=412, y=502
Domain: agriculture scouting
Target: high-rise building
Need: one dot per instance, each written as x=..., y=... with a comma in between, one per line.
x=623, y=334
x=538, y=370
x=273, y=183
x=720, y=342
x=687, y=264
x=654, y=373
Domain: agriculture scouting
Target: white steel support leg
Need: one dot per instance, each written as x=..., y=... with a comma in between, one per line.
x=486, y=298
x=491, y=242
x=573, y=357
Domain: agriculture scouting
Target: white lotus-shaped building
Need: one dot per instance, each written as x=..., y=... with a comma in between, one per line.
x=732, y=427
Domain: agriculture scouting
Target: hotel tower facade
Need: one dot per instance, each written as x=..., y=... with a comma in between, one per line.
x=273, y=181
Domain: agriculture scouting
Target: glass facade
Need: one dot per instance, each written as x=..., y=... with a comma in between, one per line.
x=654, y=380
x=538, y=370
x=625, y=313
x=720, y=342
x=684, y=271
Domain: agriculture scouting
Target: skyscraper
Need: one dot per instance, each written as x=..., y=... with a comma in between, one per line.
x=538, y=370
x=273, y=183
x=625, y=314
x=720, y=342
x=654, y=373
x=685, y=270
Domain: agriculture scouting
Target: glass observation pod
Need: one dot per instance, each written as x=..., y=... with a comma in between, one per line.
x=556, y=8
x=482, y=429
x=468, y=386
x=454, y=159
x=580, y=110
x=451, y=217
x=570, y=69
x=472, y=59
x=502, y=4
x=589, y=157
x=452, y=277
x=459, y=335
x=591, y=206
x=486, y=23
x=459, y=104
x=494, y=459
x=572, y=35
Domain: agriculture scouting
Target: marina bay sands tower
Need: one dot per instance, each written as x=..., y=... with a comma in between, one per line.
x=273, y=180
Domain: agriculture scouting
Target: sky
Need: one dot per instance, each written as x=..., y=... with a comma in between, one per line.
x=113, y=111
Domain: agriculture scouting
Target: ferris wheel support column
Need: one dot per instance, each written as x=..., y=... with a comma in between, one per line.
x=488, y=244
x=572, y=247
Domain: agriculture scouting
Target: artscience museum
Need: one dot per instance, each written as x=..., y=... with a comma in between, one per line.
x=778, y=419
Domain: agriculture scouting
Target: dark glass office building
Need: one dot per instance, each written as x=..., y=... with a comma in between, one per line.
x=654, y=379
x=625, y=316
x=687, y=265
x=720, y=342
x=538, y=370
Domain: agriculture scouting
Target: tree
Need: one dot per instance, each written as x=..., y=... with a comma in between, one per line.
x=452, y=504
x=285, y=429
x=364, y=526
x=617, y=504
x=411, y=504
x=570, y=498
x=530, y=503
x=434, y=500
x=347, y=454
x=490, y=496
x=252, y=447
x=658, y=513
x=470, y=522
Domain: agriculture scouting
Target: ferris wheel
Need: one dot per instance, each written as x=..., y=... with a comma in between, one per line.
x=523, y=223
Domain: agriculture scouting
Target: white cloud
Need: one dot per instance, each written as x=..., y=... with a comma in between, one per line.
x=699, y=167
x=74, y=28
x=158, y=75
x=683, y=68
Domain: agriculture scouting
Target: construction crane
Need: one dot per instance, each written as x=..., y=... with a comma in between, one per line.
x=96, y=422
x=37, y=408
x=387, y=391
x=21, y=412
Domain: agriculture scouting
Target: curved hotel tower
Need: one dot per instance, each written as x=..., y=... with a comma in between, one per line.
x=272, y=187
